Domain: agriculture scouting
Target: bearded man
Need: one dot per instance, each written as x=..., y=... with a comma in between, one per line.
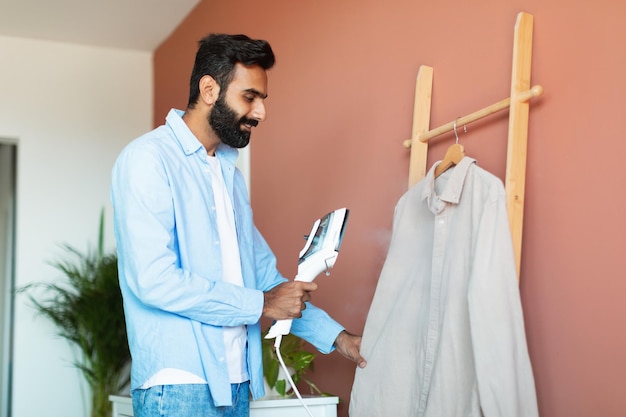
x=195, y=273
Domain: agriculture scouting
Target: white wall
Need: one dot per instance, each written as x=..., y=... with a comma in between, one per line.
x=70, y=109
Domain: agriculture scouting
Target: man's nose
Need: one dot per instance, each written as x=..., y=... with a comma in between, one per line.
x=258, y=111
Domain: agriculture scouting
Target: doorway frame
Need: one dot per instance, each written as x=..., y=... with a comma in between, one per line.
x=8, y=211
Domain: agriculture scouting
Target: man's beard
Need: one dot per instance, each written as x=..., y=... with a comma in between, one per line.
x=225, y=123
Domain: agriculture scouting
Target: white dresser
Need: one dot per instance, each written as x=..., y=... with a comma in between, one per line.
x=279, y=407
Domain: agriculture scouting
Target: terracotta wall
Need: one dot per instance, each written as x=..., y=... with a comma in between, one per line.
x=341, y=103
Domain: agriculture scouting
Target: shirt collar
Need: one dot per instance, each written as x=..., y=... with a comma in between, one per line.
x=453, y=187
x=188, y=141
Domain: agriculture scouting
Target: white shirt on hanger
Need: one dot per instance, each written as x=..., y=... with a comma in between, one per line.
x=445, y=332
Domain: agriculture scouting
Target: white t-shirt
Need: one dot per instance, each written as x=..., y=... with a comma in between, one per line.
x=235, y=338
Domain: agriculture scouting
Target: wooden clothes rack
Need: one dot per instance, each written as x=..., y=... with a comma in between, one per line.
x=518, y=105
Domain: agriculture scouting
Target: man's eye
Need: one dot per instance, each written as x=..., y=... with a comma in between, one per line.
x=249, y=99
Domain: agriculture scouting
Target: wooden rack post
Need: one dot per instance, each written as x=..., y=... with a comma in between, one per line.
x=518, y=105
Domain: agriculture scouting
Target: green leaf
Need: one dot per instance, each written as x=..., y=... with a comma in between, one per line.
x=281, y=387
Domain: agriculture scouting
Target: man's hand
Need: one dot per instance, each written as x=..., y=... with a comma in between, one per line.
x=286, y=301
x=349, y=345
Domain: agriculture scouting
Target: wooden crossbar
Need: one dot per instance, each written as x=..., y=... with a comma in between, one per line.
x=518, y=105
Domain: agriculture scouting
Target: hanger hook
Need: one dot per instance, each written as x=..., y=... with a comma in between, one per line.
x=456, y=135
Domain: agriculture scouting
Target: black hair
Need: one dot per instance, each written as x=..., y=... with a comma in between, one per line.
x=217, y=55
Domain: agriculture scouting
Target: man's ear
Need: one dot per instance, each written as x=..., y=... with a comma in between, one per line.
x=209, y=90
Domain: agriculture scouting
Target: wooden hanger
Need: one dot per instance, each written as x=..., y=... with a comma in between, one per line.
x=453, y=156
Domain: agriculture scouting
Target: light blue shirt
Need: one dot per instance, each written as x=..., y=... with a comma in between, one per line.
x=170, y=270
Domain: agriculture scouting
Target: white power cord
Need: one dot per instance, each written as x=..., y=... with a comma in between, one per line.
x=279, y=339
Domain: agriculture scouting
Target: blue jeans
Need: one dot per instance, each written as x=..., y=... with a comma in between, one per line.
x=188, y=400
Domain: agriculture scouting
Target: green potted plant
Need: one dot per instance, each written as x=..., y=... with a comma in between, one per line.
x=297, y=360
x=87, y=310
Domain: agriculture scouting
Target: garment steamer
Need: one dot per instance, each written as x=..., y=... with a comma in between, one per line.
x=318, y=255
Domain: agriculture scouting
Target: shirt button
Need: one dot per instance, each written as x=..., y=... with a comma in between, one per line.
x=441, y=221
